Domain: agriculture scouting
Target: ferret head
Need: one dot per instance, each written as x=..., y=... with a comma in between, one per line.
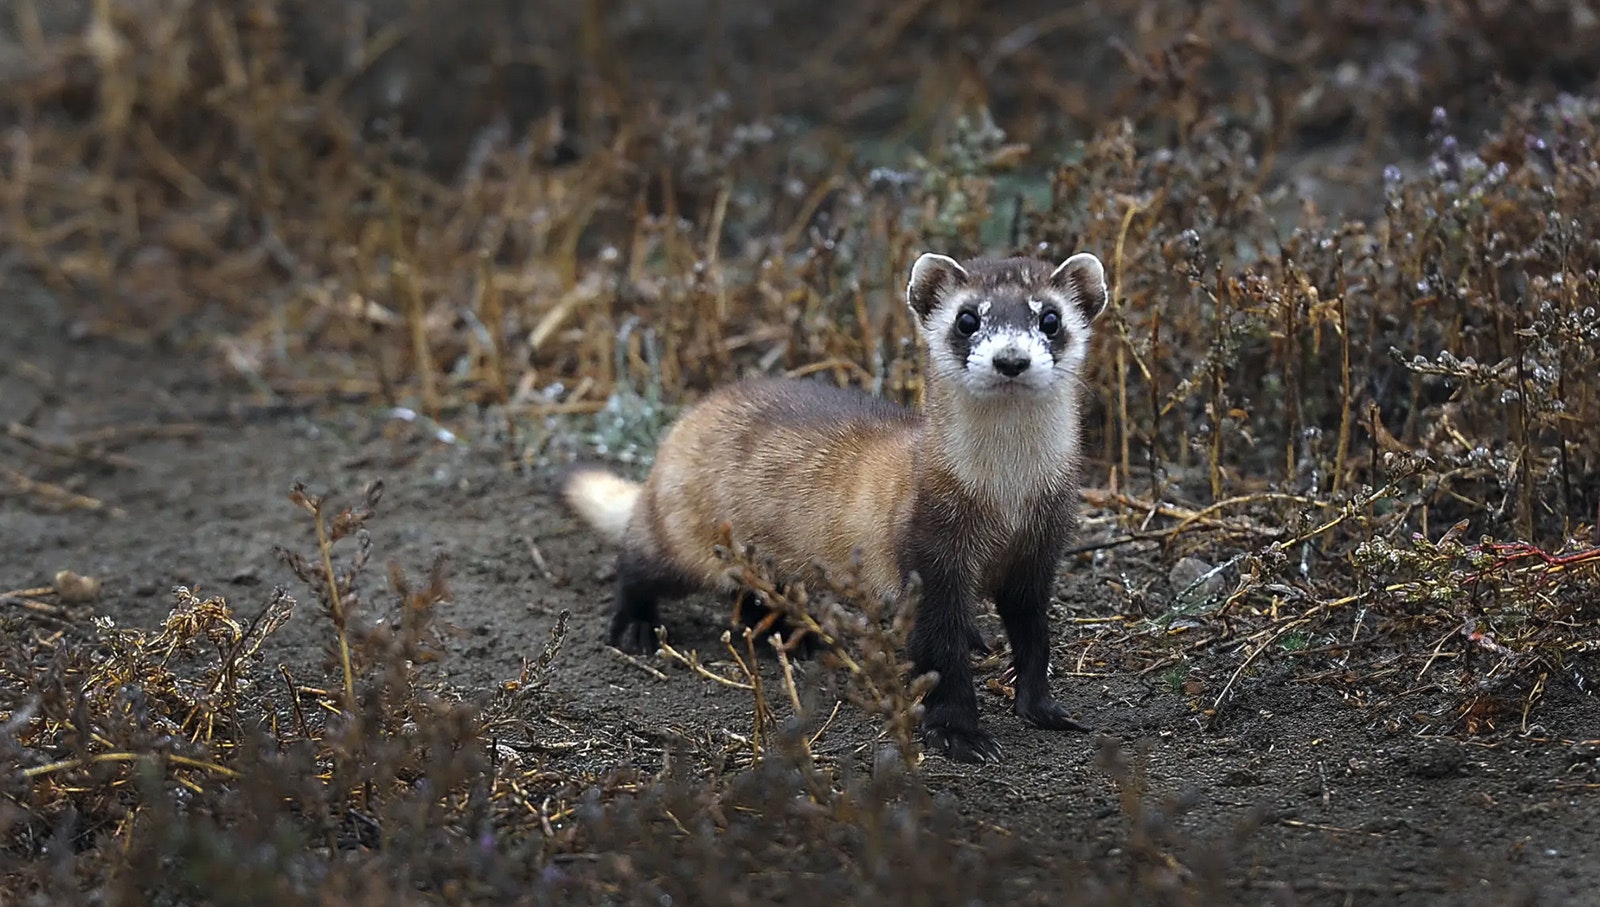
x=1007, y=326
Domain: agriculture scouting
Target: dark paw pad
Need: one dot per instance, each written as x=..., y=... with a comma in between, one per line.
x=636, y=637
x=1050, y=715
x=962, y=746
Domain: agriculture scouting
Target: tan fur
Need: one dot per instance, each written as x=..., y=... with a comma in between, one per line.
x=800, y=493
x=810, y=493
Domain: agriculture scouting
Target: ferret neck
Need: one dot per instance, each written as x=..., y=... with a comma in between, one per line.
x=1005, y=450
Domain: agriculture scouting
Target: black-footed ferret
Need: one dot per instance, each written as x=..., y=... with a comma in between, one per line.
x=977, y=495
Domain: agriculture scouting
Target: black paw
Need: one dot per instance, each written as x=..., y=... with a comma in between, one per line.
x=1050, y=715
x=636, y=637
x=962, y=746
x=805, y=648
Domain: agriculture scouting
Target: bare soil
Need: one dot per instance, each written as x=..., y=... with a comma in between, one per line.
x=1310, y=795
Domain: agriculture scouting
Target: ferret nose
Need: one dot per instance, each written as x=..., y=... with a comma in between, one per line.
x=1010, y=364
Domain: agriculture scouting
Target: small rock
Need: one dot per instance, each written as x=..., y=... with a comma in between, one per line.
x=74, y=589
x=1198, y=574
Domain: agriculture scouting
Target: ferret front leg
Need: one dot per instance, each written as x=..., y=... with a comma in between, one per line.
x=941, y=640
x=1023, y=601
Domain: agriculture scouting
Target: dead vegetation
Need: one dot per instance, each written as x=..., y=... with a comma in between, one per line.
x=1346, y=386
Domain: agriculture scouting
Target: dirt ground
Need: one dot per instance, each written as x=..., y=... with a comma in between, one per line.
x=1353, y=808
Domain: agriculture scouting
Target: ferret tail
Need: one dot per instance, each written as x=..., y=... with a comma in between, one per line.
x=602, y=499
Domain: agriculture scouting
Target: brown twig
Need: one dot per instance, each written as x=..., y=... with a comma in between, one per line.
x=52, y=492
x=68, y=449
x=629, y=659
x=692, y=662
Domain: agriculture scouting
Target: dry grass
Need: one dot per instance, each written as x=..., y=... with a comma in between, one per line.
x=1377, y=433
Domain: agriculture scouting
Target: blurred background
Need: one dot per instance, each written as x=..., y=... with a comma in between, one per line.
x=533, y=204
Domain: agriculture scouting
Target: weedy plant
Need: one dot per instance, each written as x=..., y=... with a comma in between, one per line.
x=215, y=777
x=182, y=748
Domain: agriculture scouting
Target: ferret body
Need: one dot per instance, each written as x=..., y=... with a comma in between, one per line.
x=976, y=495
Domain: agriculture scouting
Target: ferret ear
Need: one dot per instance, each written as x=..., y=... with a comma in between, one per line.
x=1083, y=279
x=931, y=277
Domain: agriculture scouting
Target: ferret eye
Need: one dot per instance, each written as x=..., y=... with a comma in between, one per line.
x=967, y=323
x=1049, y=322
